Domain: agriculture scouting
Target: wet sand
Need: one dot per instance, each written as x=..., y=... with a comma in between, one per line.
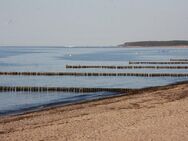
x=151, y=114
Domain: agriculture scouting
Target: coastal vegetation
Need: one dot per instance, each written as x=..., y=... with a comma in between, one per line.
x=156, y=43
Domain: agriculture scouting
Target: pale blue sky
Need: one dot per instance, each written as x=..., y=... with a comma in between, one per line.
x=91, y=22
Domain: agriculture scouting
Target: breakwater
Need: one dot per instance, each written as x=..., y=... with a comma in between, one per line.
x=157, y=62
x=95, y=74
x=60, y=89
x=124, y=67
x=179, y=60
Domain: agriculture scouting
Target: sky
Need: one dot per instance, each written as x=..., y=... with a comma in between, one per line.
x=91, y=22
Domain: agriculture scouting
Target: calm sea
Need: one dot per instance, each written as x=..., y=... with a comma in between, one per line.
x=54, y=59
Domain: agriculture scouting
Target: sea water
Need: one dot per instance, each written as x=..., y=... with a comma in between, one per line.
x=55, y=59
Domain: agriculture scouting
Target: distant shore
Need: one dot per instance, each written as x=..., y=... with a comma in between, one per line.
x=173, y=43
x=154, y=46
x=158, y=113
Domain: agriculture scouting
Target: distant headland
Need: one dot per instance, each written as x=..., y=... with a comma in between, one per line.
x=176, y=43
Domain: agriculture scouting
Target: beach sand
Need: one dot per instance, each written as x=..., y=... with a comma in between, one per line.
x=149, y=115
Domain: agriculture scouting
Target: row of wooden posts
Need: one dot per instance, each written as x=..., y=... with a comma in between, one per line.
x=60, y=89
x=178, y=59
x=95, y=74
x=158, y=62
x=87, y=90
x=124, y=67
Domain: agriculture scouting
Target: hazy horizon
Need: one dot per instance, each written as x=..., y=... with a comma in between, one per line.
x=91, y=22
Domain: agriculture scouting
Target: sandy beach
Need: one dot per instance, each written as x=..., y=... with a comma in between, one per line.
x=152, y=114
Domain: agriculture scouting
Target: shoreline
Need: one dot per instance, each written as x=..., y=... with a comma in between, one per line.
x=155, y=113
x=55, y=105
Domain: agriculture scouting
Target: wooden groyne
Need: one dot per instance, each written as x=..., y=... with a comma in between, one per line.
x=124, y=67
x=60, y=89
x=157, y=62
x=179, y=60
x=95, y=74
